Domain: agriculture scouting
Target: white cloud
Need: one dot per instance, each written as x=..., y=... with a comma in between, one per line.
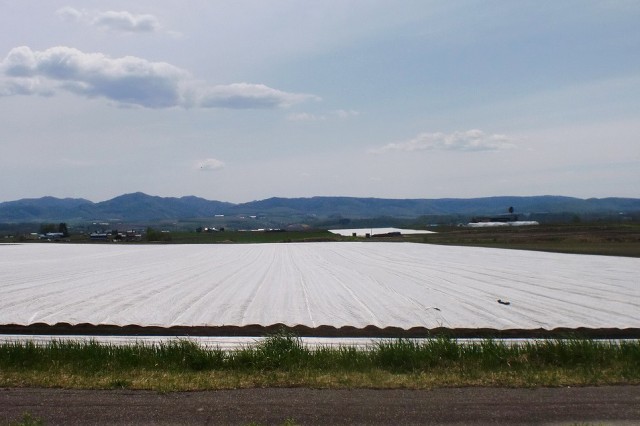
x=116, y=21
x=209, y=164
x=246, y=95
x=305, y=116
x=127, y=22
x=68, y=13
x=24, y=86
x=343, y=113
x=470, y=140
x=128, y=80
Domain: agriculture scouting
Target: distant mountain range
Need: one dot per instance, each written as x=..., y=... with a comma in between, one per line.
x=140, y=207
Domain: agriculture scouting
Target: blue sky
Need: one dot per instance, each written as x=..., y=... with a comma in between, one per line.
x=245, y=100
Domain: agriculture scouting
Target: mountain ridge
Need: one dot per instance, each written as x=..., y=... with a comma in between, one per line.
x=139, y=206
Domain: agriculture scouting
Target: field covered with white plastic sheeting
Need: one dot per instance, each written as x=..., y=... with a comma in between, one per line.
x=361, y=232
x=337, y=284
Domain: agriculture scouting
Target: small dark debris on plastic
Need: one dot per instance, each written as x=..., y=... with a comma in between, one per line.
x=503, y=302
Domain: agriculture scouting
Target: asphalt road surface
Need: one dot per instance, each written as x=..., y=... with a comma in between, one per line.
x=609, y=405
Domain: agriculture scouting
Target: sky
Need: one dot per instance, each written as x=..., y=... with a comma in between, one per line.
x=250, y=99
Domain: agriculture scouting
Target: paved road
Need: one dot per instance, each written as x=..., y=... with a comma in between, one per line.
x=557, y=406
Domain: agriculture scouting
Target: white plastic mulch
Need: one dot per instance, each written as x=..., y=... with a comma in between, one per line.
x=337, y=284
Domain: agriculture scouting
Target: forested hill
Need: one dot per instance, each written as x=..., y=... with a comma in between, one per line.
x=143, y=207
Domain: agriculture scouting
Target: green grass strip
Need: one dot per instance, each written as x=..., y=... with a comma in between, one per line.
x=283, y=360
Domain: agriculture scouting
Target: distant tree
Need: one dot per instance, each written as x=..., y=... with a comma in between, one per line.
x=48, y=227
x=152, y=234
x=62, y=228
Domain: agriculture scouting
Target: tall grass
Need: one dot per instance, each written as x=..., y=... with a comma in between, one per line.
x=283, y=359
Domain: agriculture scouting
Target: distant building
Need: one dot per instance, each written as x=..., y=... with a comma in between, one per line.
x=503, y=218
x=51, y=236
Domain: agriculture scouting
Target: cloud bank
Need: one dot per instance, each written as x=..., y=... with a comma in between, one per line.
x=470, y=140
x=127, y=80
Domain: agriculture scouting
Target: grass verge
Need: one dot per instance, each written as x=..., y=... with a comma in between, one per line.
x=282, y=360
